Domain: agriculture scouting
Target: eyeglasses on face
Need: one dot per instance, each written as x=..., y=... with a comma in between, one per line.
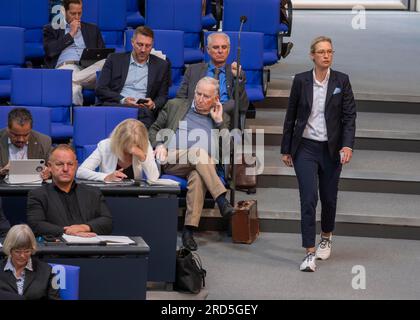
x=20, y=252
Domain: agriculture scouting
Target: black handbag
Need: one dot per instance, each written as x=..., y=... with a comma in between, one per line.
x=190, y=275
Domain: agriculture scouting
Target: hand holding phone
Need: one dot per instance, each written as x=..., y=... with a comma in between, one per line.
x=141, y=101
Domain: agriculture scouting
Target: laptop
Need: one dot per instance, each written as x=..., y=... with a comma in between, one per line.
x=93, y=55
x=25, y=171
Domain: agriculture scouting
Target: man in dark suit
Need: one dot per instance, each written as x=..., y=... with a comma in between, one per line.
x=128, y=77
x=4, y=223
x=64, y=46
x=18, y=141
x=65, y=206
x=218, y=47
x=318, y=138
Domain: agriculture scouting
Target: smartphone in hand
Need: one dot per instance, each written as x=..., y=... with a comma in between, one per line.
x=140, y=101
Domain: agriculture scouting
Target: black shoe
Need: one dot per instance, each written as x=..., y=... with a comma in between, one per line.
x=286, y=48
x=226, y=210
x=188, y=241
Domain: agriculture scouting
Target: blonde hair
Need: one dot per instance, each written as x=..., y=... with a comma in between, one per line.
x=19, y=236
x=318, y=40
x=129, y=133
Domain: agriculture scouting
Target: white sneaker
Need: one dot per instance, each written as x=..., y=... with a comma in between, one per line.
x=308, y=264
x=323, y=250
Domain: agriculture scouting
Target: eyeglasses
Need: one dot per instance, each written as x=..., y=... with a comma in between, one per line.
x=323, y=52
x=20, y=252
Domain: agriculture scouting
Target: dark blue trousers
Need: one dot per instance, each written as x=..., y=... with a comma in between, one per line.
x=314, y=167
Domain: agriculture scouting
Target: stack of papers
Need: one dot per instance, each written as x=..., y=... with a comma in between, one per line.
x=163, y=182
x=108, y=240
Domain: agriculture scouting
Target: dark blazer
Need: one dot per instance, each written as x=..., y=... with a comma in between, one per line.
x=4, y=223
x=340, y=112
x=37, y=283
x=199, y=70
x=173, y=112
x=114, y=74
x=39, y=146
x=55, y=41
x=46, y=213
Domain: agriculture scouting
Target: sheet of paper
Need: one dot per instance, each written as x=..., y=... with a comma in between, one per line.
x=110, y=240
x=75, y=239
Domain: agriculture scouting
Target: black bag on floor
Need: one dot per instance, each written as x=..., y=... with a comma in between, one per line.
x=189, y=272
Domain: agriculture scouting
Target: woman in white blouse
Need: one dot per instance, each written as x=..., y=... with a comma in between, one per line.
x=126, y=154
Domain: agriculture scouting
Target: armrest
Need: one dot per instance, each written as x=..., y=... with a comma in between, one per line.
x=289, y=17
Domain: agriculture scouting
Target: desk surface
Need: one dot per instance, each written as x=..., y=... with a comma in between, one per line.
x=62, y=249
x=136, y=189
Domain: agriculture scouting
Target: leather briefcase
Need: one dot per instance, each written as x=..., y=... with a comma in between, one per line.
x=245, y=224
x=246, y=182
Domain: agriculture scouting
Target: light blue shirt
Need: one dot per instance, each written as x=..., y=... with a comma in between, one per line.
x=136, y=83
x=16, y=153
x=20, y=281
x=74, y=51
x=222, y=81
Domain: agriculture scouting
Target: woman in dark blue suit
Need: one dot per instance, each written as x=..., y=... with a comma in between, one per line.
x=318, y=138
x=21, y=274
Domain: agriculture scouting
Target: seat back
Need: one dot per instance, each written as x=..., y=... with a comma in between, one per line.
x=41, y=118
x=110, y=17
x=251, y=60
x=67, y=278
x=170, y=42
x=133, y=16
x=263, y=16
x=208, y=20
x=183, y=15
x=94, y=124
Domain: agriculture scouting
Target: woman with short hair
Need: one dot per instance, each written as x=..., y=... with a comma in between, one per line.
x=20, y=272
x=126, y=154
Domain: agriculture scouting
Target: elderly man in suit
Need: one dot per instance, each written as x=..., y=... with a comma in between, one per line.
x=18, y=141
x=128, y=77
x=187, y=150
x=318, y=138
x=64, y=48
x=218, y=47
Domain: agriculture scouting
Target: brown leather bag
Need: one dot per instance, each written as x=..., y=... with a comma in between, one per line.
x=246, y=182
x=245, y=224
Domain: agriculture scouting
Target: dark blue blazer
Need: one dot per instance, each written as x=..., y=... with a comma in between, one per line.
x=340, y=112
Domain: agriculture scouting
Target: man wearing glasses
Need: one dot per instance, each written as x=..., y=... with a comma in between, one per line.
x=19, y=142
x=318, y=138
x=218, y=48
x=137, y=79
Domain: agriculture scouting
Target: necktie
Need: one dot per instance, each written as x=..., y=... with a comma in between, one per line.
x=216, y=73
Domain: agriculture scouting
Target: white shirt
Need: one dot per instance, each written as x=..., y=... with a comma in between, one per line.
x=16, y=153
x=316, y=128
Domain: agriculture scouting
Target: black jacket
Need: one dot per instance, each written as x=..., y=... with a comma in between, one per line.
x=340, y=112
x=37, y=282
x=4, y=223
x=55, y=41
x=46, y=214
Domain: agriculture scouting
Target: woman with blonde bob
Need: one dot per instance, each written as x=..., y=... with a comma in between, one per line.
x=22, y=274
x=126, y=154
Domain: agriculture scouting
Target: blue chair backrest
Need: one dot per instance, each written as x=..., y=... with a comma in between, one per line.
x=67, y=278
x=12, y=53
x=41, y=118
x=184, y=15
x=94, y=124
x=30, y=15
x=133, y=17
x=110, y=17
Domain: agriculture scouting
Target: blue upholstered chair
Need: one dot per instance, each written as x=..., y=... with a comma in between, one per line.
x=133, y=16
x=94, y=124
x=12, y=55
x=183, y=15
x=110, y=17
x=46, y=88
x=208, y=20
x=68, y=280
x=263, y=16
x=41, y=118
x=170, y=42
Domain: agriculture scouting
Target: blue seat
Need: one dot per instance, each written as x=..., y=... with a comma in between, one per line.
x=252, y=46
x=208, y=20
x=110, y=17
x=183, y=15
x=68, y=280
x=133, y=17
x=170, y=42
x=94, y=124
x=263, y=16
x=46, y=88
x=12, y=55
x=30, y=15
x=41, y=118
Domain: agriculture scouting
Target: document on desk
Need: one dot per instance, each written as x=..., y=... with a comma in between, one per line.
x=163, y=182
x=99, y=240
